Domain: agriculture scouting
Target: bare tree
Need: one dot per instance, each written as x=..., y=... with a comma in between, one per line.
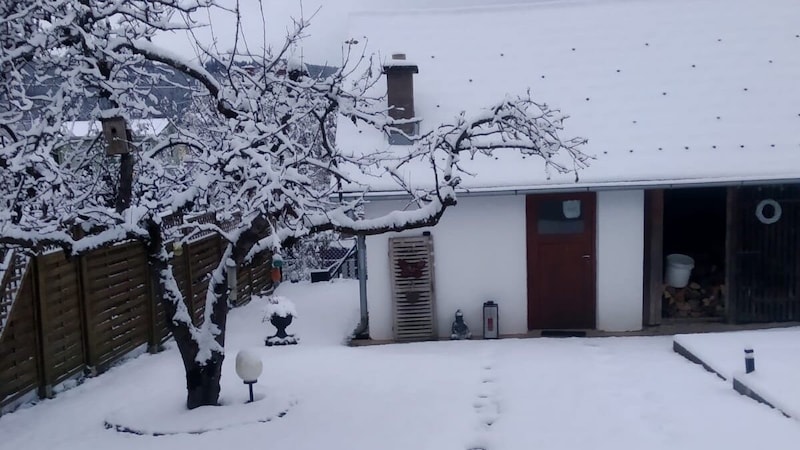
x=259, y=140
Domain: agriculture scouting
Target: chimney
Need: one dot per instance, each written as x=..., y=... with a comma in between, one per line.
x=400, y=95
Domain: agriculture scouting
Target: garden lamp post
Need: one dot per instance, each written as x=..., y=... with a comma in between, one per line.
x=248, y=367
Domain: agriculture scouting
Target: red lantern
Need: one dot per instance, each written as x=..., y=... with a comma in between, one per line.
x=491, y=314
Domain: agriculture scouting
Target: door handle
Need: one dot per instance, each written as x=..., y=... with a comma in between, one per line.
x=586, y=256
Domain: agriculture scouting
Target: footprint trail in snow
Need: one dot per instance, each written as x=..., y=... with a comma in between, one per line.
x=486, y=405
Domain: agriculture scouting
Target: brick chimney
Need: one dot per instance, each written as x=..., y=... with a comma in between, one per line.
x=400, y=95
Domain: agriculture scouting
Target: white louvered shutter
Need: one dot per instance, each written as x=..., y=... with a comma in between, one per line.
x=411, y=262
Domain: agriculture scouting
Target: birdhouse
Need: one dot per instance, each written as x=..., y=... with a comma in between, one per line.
x=114, y=130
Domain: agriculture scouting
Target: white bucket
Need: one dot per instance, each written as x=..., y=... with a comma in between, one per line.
x=679, y=268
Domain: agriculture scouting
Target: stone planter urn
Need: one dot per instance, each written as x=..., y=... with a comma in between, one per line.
x=280, y=312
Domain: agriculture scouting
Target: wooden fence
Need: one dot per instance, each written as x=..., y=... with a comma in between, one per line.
x=80, y=315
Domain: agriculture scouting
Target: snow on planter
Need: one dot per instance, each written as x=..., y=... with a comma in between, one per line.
x=280, y=311
x=280, y=306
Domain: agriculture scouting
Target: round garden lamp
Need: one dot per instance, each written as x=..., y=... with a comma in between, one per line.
x=248, y=367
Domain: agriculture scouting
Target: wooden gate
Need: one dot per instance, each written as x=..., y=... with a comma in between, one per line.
x=411, y=261
x=764, y=272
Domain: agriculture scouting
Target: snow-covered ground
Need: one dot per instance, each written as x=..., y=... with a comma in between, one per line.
x=777, y=360
x=612, y=393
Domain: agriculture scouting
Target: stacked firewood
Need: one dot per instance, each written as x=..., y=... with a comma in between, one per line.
x=694, y=300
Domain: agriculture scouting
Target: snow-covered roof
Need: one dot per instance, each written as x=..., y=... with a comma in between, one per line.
x=139, y=127
x=666, y=91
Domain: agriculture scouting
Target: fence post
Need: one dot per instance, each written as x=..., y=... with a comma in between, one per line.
x=89, y=338
x=230, y=267
x=153, y=338
x=45, y=389
x=187, y=261
x=246, y=288
x=251, y=279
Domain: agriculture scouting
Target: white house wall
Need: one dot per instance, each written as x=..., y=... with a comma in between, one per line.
x=620, y=259
x=480, y=254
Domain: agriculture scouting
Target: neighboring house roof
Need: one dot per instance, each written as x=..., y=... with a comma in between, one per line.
x=667, y=92
x=139, y=127
x=170, y=98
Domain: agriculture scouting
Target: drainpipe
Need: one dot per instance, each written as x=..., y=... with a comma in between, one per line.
x=362, y=330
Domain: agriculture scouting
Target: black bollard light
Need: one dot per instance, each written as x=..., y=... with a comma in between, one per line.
x=749, y=360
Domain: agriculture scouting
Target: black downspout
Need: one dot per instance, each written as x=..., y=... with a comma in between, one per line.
x=362, y=330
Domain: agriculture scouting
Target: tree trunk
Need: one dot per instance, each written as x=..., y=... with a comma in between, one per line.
x=125, y=190
x=202, y=379
x=203, y=382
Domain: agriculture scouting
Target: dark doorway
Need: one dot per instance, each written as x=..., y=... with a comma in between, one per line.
x=695, y=225
x=561, y=260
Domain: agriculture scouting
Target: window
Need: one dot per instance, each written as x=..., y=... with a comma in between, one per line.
x=560, y=217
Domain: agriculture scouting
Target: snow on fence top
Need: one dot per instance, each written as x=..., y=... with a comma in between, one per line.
x=667, y=92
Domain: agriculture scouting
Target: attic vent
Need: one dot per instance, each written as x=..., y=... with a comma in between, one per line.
x=411, y=262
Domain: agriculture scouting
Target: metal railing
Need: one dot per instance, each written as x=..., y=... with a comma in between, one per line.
x=343, y=267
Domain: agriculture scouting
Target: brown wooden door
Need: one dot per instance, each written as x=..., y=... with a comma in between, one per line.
x=561, y=260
